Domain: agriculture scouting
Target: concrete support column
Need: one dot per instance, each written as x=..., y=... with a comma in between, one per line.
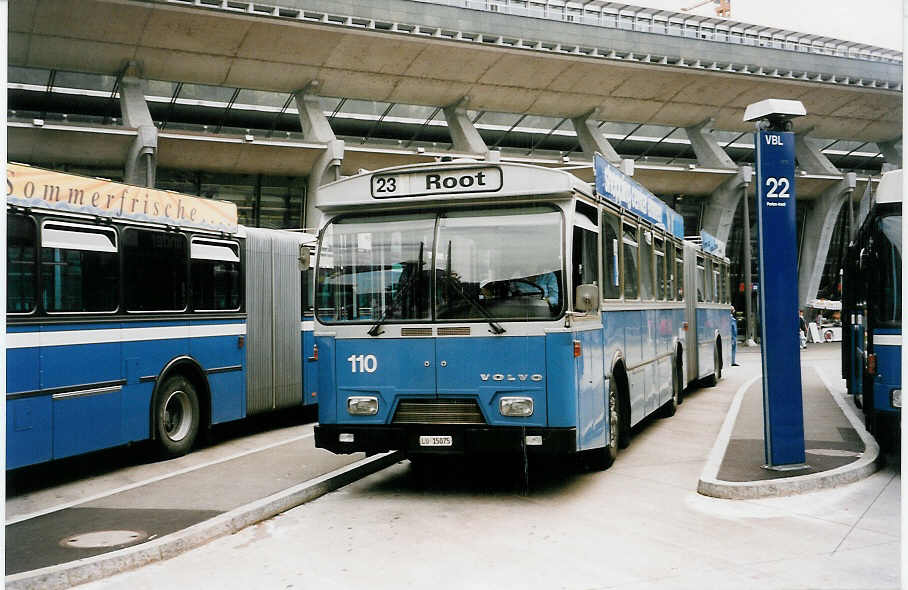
x=141, y=162
x=326, y=169
x=720, y=211
x=820, y=220
x=818, y=227
x=810, y=158
x=707, y=149
x=463, y=133
x=892, y=154
x=591, y=139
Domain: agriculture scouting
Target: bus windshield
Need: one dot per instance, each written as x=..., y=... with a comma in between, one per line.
x=476, y=265
x=889, y=302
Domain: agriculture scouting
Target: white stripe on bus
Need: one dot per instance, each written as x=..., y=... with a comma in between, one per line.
x=71, y=337
x=887, y=339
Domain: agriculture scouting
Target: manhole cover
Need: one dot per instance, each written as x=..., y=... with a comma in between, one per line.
x=100, y=539
x=833, y=452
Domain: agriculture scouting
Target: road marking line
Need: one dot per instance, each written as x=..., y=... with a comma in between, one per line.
x=158, y=478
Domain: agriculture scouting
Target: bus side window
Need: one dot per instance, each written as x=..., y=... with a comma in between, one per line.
x=306, y=293
x=716, y=282
x=679, y=277
x=629, y=240
x=660, y=268
x=155, y=264
x=586, y=257
x=79, y=268
x=21, y=252
x=611, y=276
x=701, y=279
x=216, y=284
x=646, y=264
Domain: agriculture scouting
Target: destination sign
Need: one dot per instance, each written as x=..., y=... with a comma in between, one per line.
x=476, y=179
x=619, y=188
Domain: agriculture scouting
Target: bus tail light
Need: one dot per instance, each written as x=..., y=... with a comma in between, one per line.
x=895, y=398
x=314, y=352
x=578, y=350
x=871, y=364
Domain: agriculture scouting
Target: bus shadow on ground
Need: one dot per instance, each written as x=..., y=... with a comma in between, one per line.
x=34, y=478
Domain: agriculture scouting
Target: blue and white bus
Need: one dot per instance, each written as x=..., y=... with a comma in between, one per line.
x=475, y=307
x=138, y=314
x=872, y=313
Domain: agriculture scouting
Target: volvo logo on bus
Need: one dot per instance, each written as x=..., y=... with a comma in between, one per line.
x=536, y=377
x=472, y=179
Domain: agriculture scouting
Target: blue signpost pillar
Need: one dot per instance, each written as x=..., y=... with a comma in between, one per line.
x=783, y=412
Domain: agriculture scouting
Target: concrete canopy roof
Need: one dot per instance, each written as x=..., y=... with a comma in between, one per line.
x=194, y=44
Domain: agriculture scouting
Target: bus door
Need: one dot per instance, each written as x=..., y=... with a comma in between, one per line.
x=80, y=363
x=497, y=271
x=374, y=286
x=588, y=350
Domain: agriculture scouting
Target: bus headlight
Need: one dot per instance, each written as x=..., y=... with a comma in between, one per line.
x=895, y=398
x=363, y=405
x=519, y=407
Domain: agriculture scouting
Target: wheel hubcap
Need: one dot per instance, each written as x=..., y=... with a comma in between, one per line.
x=177, y=415
x=613, y=421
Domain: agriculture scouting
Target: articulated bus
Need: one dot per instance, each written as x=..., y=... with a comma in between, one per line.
x=478, y=307
x=138, y=314
x=872, y=313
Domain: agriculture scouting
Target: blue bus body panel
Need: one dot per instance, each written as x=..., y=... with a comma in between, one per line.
x=403, y=368
x=489, y=368
x=41, y=428
x=228, y=389
x=90, y=422
x=327, y=380
x=561, y=380
x=310, y=369
x=888, y=372
x=591, y=388
x=28, y=419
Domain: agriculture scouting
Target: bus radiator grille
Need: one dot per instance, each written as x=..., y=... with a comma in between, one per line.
x=438, y=411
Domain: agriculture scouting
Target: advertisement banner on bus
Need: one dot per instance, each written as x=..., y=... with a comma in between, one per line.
x=27, y=186
x=619, y=188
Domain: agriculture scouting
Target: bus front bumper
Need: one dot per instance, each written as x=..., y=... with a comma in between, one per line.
x=444, y=439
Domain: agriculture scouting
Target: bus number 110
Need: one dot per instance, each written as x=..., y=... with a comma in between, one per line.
x=367, y=363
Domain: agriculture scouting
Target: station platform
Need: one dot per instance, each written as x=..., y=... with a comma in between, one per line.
x=154, y=519
x=838, y=449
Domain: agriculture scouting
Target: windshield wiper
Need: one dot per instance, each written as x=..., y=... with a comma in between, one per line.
x=376, y=330
x=474, y=303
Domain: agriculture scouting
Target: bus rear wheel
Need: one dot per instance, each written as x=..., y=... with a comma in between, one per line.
x=176, y=416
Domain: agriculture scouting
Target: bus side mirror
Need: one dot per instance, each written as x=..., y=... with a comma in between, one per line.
x=304, y=257
x=586, y=298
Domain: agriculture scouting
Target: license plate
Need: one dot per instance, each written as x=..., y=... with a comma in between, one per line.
x=436, y=441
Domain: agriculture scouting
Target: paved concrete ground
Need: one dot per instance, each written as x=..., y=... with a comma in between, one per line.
x=639, y=525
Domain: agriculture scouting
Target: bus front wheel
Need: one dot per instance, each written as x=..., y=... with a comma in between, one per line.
x=176, y=416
